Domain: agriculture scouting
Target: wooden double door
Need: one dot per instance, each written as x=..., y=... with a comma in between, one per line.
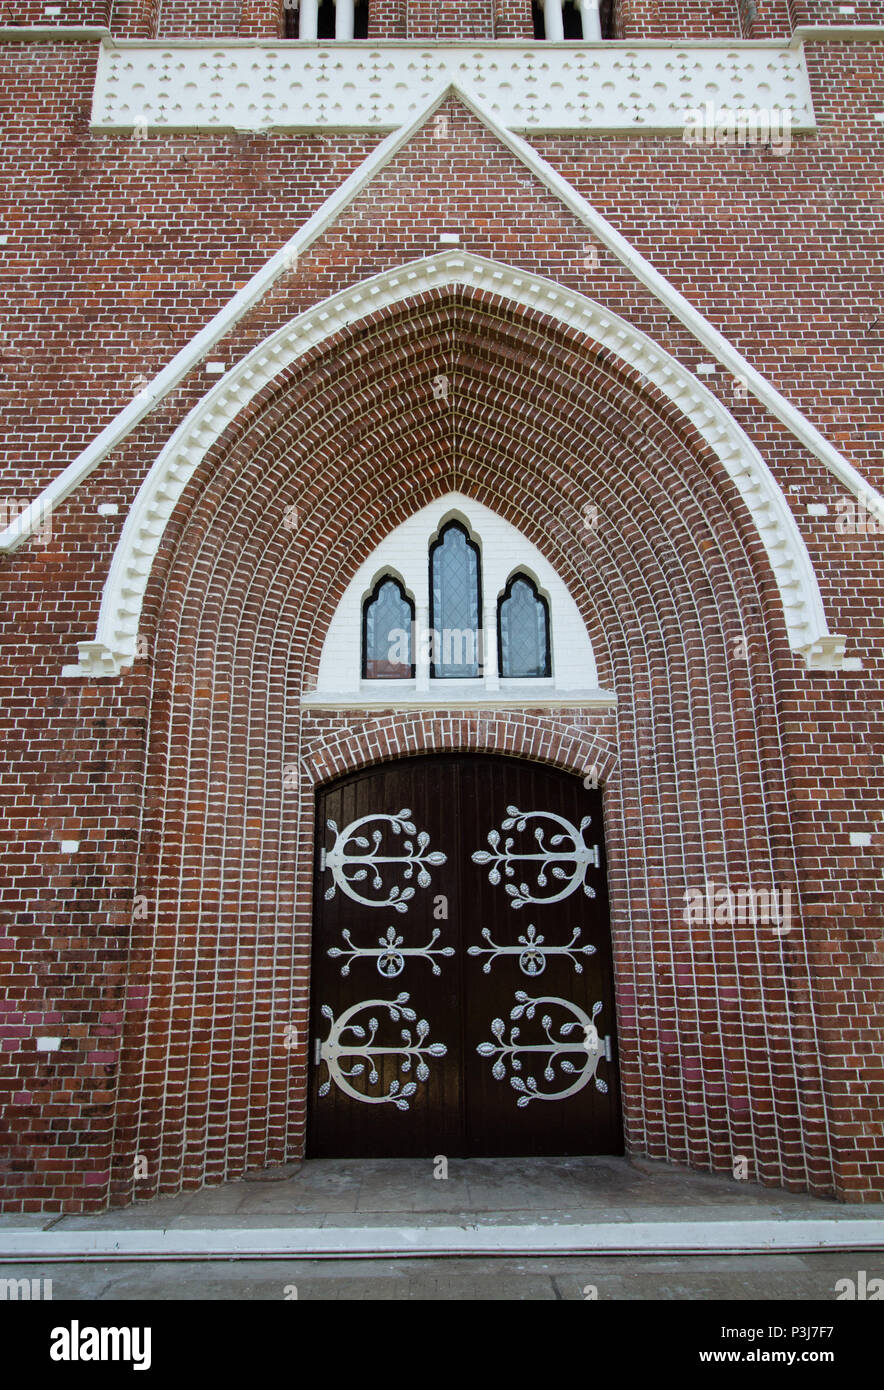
x=462, y=996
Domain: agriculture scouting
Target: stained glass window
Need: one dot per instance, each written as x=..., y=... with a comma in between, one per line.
x=387, y=620
x=455, y=605
x=523, y=630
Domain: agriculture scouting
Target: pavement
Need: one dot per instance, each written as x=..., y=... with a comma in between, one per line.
x=771, y=1278
x=569, y=1228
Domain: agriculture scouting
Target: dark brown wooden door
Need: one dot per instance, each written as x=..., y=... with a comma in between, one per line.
x=462, y=998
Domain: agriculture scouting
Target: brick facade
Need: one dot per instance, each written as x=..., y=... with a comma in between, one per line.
x=172, y=948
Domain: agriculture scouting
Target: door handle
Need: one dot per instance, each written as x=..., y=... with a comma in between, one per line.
x=609, y=1049
x=317, y=1044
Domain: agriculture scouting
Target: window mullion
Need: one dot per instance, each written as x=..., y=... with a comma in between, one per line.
x=489, y=647
x=344, y=19
x=591, y=20
x=308, y=27
x=553, y=23
x=422, y=647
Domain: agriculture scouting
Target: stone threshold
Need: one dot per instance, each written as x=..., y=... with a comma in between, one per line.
x=403, y=1240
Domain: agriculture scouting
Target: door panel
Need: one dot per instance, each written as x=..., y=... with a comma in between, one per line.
x=462, y=982
x=535, y=934
x=376, y=888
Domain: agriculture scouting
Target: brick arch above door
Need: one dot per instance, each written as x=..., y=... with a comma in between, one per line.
x=585, y=745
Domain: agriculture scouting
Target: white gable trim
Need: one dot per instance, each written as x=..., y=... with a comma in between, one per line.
x=201, y=344
x=114, y=643
x=69, y=480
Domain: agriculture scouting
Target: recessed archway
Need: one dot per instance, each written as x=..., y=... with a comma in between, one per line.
x=718, y=1043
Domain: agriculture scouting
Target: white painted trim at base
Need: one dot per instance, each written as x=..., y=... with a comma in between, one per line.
x=716, y=1237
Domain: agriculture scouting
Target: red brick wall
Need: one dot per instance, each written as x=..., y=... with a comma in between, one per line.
x=387, y=19
x=149, y=951
x=261, y=19
x=765, y=19
x=827, y=12
x=134, y=19
x=450, y=19
x=445, y=18
x=695, y=19
x=439, y=18
x=73, y=12
x=513, y=20
x=197, y=19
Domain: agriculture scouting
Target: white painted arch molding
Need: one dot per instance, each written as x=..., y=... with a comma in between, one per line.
x=114, y=644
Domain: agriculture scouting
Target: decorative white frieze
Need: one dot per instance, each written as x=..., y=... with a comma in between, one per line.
x=359, y=86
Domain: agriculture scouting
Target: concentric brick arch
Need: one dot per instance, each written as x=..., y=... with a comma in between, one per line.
x=260, y=370
x=589, y=752
x=672, y=580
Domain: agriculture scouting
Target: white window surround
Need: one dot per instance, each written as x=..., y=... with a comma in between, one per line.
x=505, y=551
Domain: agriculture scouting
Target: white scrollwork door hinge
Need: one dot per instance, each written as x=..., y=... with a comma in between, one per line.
x=576, y=1050
x=567, y=857
x=364, y=1050
x=532, y=951
x=353, y=857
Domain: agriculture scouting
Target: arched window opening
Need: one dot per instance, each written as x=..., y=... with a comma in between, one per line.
x=523, y=630
x=455, y=605
x=387, y=633
x=325, y=19
x=573, y=20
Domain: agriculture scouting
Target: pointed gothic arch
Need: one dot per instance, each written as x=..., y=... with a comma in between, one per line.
x=114, y=643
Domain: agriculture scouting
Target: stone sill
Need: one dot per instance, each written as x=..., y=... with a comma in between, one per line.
x=538, y=46
x=68, y=33
x=837, y=33
x=461, y=698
